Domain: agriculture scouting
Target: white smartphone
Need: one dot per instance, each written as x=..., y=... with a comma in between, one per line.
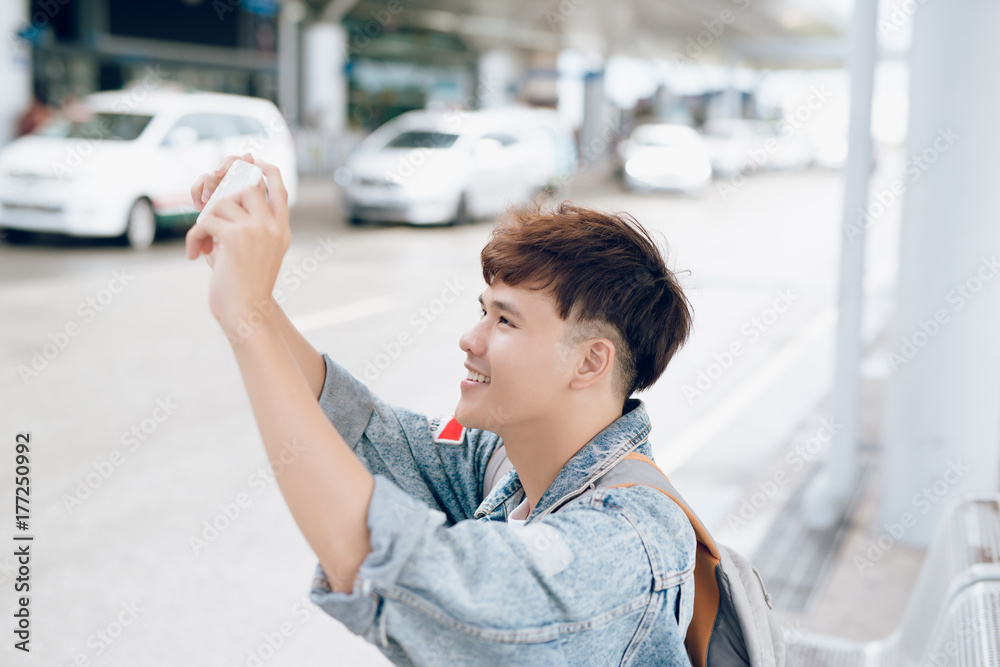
x=241, y=174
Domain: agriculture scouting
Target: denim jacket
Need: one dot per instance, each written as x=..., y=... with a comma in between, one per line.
x=605, y=580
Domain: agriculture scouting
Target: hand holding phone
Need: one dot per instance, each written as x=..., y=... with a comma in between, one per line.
x=243, y=238
x=241, y=175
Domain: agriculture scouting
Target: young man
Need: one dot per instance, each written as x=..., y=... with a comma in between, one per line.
x=419, y=552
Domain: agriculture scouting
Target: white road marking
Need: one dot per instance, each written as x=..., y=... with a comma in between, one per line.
x=679, y=450
x=329, y=317
x=676, y=452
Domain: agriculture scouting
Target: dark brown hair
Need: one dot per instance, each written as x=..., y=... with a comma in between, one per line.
x=607, y=277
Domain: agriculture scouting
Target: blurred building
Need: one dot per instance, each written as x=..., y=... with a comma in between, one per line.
x=81, y=46
x=336, y=65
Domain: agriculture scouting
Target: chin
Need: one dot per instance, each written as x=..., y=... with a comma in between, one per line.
x=465, y=417
x=469, y=419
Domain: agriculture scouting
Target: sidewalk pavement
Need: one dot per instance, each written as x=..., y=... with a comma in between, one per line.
x=862, y=592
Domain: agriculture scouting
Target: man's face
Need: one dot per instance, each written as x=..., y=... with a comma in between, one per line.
x=518, y=345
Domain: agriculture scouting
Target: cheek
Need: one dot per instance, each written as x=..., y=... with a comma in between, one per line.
x=528, y=368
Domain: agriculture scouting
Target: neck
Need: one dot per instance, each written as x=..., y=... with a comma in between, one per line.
x=539, y=449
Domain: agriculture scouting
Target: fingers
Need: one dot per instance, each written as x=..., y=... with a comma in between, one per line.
x=207, y=183
x=267, y=203
x=254, y=200
x=200, y=239
x=196, y=190
x=277, y=194
x=255, y=204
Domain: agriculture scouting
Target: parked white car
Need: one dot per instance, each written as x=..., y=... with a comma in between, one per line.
x=452, y=166
x=732, y=142
x=662, y=156
x=127, y=166
x=751, y=146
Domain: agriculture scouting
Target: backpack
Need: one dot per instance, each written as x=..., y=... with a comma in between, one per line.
x=732, y=624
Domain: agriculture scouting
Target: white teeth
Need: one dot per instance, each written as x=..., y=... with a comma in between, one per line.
x=477, y=377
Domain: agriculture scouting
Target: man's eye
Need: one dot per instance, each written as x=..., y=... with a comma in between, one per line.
x=502, y=319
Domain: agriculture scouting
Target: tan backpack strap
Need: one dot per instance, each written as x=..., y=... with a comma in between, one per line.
x=706, y=586
x=699, y=528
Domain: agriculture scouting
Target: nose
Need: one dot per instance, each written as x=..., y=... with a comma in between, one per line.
x=473, y=341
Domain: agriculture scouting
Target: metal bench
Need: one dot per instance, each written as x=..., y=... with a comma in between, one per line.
x=953, y=615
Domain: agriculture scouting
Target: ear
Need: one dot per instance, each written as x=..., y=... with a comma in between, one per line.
x=596, y=362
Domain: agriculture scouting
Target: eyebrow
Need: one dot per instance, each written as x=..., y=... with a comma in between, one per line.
x=503, y=305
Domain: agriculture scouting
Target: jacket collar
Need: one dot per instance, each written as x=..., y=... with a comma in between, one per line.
x=626, y=434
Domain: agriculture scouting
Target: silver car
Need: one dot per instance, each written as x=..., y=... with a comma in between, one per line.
x=433, y=167
x=661, y=156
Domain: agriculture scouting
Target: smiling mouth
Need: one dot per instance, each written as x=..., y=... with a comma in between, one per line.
x=477, y=377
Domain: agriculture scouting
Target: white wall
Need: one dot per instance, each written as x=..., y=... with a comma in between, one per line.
x=15, y=67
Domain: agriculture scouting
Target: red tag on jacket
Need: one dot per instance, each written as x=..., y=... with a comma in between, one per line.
x=449, y=432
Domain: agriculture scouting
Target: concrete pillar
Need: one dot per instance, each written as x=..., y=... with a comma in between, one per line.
x=498, y=72
x=572, y=67
x=540, y=79
x=943, y=425
x=15, y=68
x=732, y=96
x=324, y=92
x=289, y=61
x=827, y=497
x=596, y=132
x=663, y=102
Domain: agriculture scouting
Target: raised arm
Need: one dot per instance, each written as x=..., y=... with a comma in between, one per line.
x=326, y=487
x=309, y=361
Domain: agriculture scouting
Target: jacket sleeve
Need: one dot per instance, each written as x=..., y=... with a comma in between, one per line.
x=399, y=444
x=485, y=592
